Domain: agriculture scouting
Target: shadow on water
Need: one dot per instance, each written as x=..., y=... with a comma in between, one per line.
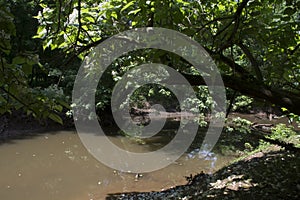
x=11, y=136
x=272, y=175
x=55, y=165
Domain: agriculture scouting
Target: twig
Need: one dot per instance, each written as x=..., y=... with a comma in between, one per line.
x=79, y=23
x=59, y=16
x=236, y=25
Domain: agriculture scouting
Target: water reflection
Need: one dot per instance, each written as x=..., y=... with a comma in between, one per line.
x=204, y=155
x=57, y=166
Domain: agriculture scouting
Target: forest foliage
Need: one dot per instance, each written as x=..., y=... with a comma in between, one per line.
x=255, y=45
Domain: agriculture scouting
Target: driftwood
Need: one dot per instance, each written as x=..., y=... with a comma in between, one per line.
x=266, y=128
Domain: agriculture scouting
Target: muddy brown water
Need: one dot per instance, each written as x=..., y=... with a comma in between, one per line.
x=56, y=166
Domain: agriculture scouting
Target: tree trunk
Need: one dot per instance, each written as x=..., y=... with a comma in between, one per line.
x=254, y=89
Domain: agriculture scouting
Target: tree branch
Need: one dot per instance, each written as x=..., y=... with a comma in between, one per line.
x=234, y=66
x=214, y=20
x=79, y=23
x=253, y=89
x=83, y=49
x=252, y=60
x=18, y=100
x=59, y=16
x=295, y=49
x=236, y=19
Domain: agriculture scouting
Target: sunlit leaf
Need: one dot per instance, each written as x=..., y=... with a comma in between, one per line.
x=114, y=15
x=56, y=118
x=134, y=11
x=127, y=6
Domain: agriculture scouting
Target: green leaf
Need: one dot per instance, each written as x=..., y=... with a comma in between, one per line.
x=43, y=5
x=114, y=15
x=58, y=108
x=133, y=23
x=134, y=11
x=53, y=46
x=18, y=106
x=183, y=2
x=27, y=68
x=2, y=100
x=41, y=30
x=64, y=104
x=45, y=45
x=221, y=7
x=127, y=6
x=19, y=60
x=56, y=118
x=89, y=19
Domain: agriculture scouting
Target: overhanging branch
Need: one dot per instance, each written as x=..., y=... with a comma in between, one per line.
x=253, y=89
x=252, y=60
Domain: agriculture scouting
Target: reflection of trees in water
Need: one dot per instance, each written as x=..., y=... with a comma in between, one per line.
x=204, y=155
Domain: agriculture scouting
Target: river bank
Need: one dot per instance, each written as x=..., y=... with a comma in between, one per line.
x=272, y=173
x=262, y=172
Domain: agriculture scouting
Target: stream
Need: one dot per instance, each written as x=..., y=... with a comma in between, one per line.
x=56, y=165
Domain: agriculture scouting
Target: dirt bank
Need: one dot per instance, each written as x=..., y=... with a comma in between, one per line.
x=270, y=174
